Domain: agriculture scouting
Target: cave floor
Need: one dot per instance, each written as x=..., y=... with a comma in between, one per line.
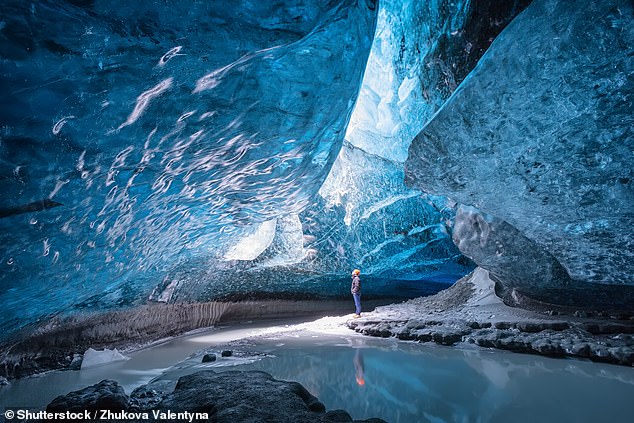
x=399, y=381
x=469, y=312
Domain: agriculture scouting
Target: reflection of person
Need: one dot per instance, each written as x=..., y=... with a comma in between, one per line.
x=358, y=368
x=355, y=289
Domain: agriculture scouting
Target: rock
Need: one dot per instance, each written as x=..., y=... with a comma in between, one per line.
x=240, y=396
x=503, y=325
x=145, y=398
x=76, y=361
x=622, y=355
x=558, y=326
x=3, y=381
x=446, y=338
x=226, y=353
x=232, y=397
x=546, y=347
x=337, y=416
x=406, y=336
x=530, y=327
x=208, y=358
x=581, y=350
x=312, y=402
x=105, y=395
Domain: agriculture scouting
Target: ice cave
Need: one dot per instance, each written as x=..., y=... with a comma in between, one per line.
x=187, y=187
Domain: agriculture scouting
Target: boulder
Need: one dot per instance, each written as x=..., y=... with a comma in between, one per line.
x=233, y=396
x=253, y=396
x=75, y=363
x=105, y=395
x=208, y=358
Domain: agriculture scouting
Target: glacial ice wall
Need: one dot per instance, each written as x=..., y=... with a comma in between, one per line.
x=181, y=152
x=539, y=135
x=364, y=215
x=137, y=135
x=421, y=52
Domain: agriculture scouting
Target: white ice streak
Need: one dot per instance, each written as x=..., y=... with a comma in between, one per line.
x=58, y=186
x=60, y=123
x=171, y=53
x=143, y=100
x=387, y=202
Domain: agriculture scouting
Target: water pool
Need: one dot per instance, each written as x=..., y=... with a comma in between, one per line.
x=369, y=377
x=408, y=382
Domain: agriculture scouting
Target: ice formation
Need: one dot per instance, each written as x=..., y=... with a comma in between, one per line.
x=148, y=135
x=94, y=358
x=172, y=152
x=364, y=215
x=539, y=135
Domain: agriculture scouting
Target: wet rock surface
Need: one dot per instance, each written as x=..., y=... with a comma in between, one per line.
x=208, y=358
x=232, y=396
x=470, y=312
x=105, y=395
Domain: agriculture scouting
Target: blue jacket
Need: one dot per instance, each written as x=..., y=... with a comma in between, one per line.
x=356, y=285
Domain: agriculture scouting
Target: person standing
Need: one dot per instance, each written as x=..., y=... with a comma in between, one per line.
x=355, y=289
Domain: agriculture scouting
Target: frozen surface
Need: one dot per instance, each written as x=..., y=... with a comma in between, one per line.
x=539, y=135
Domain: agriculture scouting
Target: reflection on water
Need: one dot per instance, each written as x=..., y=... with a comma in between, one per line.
x=408, y=382
x=358, y=368
x=394, y=380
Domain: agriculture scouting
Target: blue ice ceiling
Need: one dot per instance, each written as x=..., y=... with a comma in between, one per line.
x=183, y=152
x=157, y=151
x=150, y=134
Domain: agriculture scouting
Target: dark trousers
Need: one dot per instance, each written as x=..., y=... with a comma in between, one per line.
x=357, y=302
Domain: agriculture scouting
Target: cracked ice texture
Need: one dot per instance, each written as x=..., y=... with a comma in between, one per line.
x=540, y=135
x=368, y=218
x=165, y=131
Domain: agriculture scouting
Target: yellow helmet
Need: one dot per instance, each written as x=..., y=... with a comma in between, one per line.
x=356, y=272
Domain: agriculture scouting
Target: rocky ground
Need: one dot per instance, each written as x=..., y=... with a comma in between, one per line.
x=232, y=396
x=470, y=312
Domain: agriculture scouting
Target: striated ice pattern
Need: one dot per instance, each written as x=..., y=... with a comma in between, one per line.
x=364, y=215
x=147, y=134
